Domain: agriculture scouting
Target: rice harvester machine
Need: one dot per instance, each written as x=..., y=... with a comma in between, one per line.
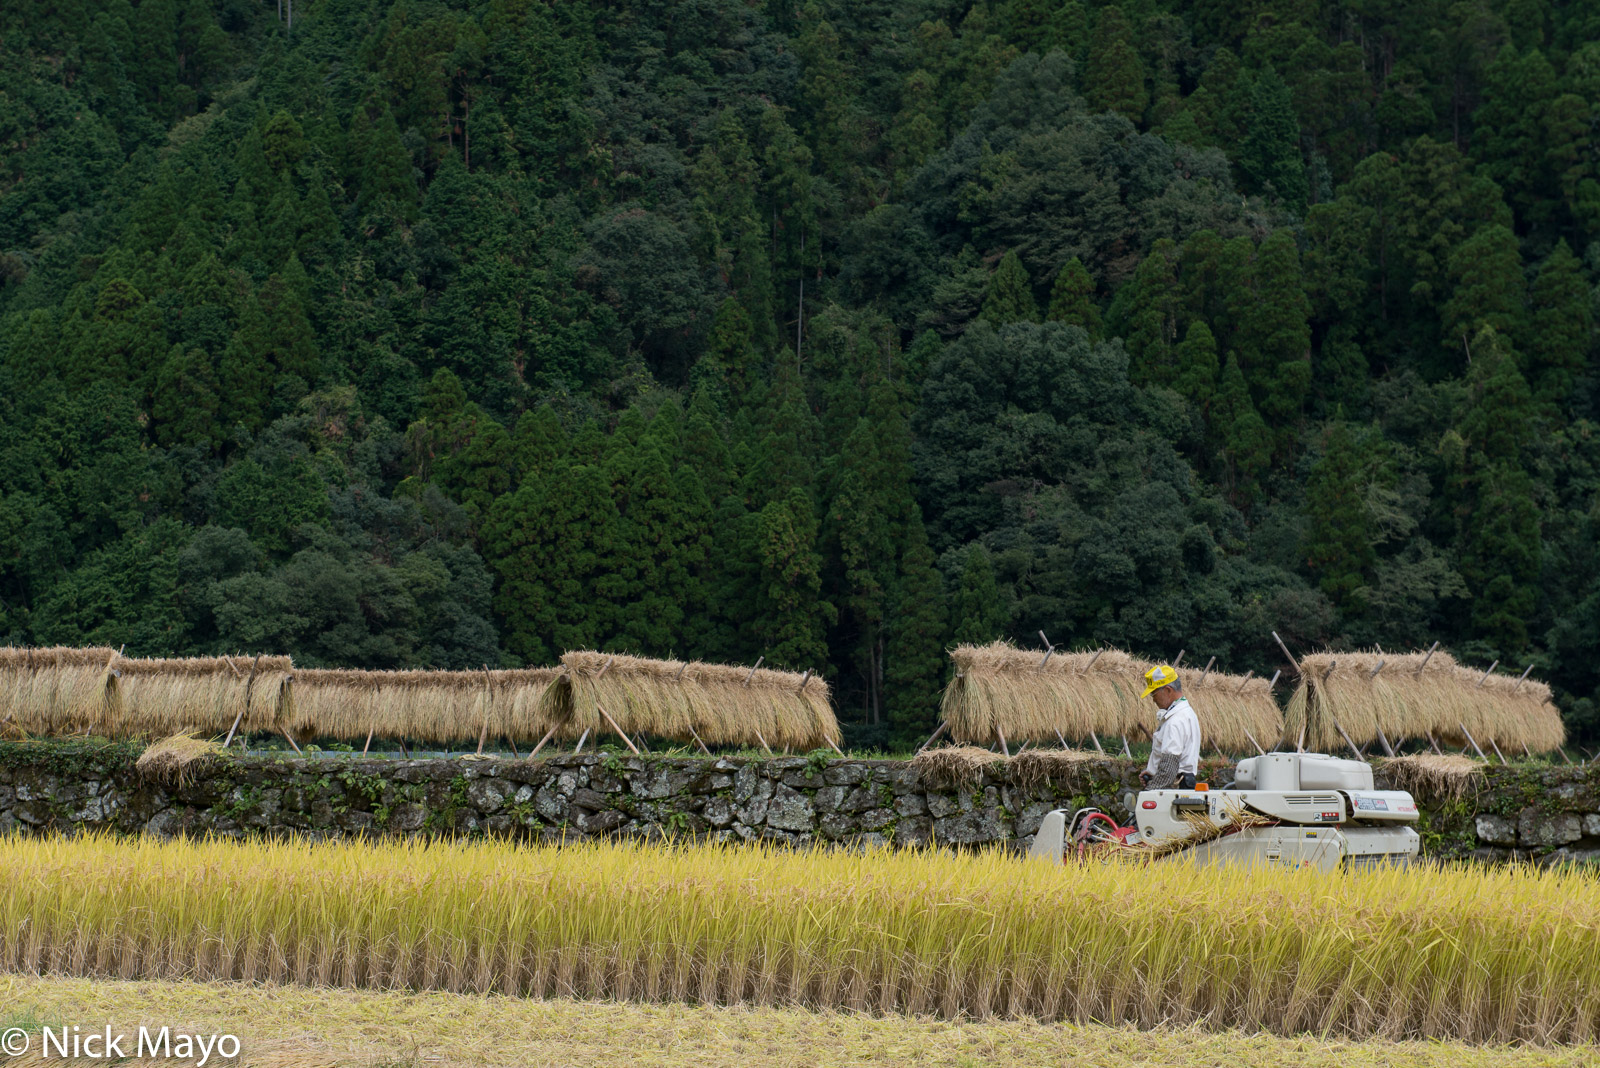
x=1294, y=810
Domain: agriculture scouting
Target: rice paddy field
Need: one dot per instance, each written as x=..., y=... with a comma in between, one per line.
x=1486, y=956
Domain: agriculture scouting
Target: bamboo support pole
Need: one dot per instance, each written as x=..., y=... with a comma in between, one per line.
x=759, y=738
x=1248, y=675
x=752, y=674
x=1424, y=664
x=1522, y=678
x=620, y=732
x=1003, y=747
x=368, y=746
x=1474, y=742
x=488, y=702
x=935, y=736
x=551, y=733
x=1484, y=679
x=695, y=735
x=1253, y=742
x=579, y=747
x=1207, y=671
x=249, y=685
x=1292, y=661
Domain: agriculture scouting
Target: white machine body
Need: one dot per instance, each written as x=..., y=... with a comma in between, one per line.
x=1324, y=814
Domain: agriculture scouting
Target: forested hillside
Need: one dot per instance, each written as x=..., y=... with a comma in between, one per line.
x=453, y=332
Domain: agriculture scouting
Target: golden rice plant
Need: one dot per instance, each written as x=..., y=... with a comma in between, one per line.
x=1505, y=954
x=721, y=704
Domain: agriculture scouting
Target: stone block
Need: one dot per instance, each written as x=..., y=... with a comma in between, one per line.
x=844, y=774
x=790, y=810
x=828, y=798
x=486, y=795
x=718, y=811
x=978, y=827
x=598, y=822
x=875, y=819
x=1496, y=830
x=1536, y=828
x=942, y=805
x=836, y=825
x=910, y=805
x=752, y=809
x=589, y=800
x=1591, y=824
x=550, y=804
x=913, y=831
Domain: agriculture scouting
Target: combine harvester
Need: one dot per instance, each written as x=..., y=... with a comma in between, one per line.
x=1295, y=810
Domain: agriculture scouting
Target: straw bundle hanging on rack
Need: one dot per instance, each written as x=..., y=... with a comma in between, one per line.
x=1233, y=710
x=723, y=704
x=437, y=707
x=1028, y=697
x=1413, y=695
x=58, y=690
x=200, y=695
x=1000, y=689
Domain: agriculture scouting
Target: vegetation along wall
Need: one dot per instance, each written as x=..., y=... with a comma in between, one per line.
x=1544, y=813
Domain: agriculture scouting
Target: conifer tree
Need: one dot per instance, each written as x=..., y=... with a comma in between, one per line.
x=1197, y=365
x=1274, y=336
x=1144, y=313
x=1270, y=154
x=386, y=174
x=1488, y=290
x=914, y=661
x=185, y=403
x=1010, y=295
x=1072, y=299
x=1338, y=543
x=789, y=618
x=1114, y=78
x=1246, y=442
x=1561, y=336
x=978, y=616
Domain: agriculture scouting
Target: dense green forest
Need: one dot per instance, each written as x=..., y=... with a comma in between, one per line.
x=460, y=332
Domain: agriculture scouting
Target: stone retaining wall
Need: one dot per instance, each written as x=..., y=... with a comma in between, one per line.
x=1532, y=811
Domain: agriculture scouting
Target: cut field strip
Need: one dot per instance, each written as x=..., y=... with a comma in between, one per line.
x=309, y=1027
x=1486, y=956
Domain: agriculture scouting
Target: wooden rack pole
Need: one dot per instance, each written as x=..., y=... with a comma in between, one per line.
x=1522, y=679
x=547, y=736
x=1427, y=658
x=1003, y=747
x=1248, y=675
x=1292, y=661
x=1474, y=742
x=1484, y=679
x=620, y=732
x=1206, y=672
x=935, y=736
x=488, y=700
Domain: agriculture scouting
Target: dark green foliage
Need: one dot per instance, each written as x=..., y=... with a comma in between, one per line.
x=451, y=334
x=1072, y=299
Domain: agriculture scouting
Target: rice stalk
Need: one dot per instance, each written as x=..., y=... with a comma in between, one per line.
x=1503, y=955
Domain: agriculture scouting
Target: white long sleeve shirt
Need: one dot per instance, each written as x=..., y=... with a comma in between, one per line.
x=1177, y=732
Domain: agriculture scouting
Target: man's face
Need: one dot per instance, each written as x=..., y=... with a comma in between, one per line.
x=1164, y=697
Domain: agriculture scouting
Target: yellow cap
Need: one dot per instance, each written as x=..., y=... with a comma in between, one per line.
x=1159, y=676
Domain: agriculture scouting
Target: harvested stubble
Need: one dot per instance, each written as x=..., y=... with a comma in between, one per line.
x=1446, y=778
x=1412, y=696
x=999, y=688
x=437, y=707
x=722, y=704
x=1477, y=954
x=292, y=1026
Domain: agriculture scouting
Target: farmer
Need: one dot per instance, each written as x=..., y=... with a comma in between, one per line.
x=1175, y=747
